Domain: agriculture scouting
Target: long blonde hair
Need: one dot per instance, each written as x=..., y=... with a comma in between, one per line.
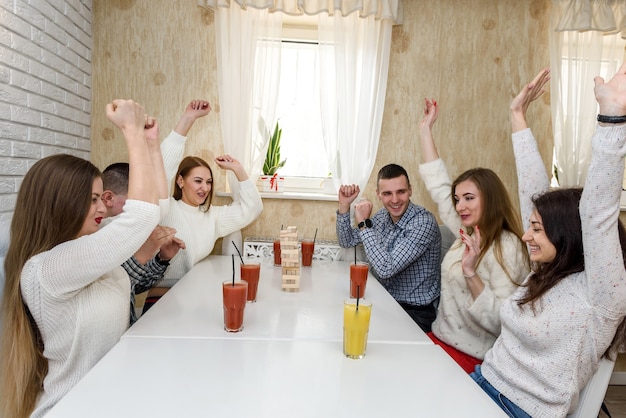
x=51, y=206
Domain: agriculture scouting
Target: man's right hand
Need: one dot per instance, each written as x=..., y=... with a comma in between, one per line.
x=347, y=194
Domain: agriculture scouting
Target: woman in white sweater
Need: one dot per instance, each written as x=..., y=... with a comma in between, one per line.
x=570, y=310
x=65, y=302
x=197, y=222
x=487, y=261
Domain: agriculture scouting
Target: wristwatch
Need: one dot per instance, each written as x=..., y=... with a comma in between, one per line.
x=165, y=263
x=366, y=223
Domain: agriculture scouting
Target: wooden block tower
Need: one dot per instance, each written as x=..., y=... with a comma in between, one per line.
x=290, y=259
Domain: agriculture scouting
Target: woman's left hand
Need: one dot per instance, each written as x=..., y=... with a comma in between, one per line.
x=226, y=162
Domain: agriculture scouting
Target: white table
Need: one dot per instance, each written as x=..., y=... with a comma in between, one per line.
x=177, y=361
x=193, y=307
x=191, y=377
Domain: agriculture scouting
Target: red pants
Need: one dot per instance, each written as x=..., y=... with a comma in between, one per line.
x=466, y=361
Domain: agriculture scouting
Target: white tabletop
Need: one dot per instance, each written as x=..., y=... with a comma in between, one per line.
x=191, y=377
x=193, y=307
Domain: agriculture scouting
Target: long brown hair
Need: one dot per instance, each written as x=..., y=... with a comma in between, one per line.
x=561, y=222
x=498, y=214
x=51, y=206
x=185, y=166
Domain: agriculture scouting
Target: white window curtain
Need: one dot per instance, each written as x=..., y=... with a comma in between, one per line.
x=583, y=43
x=360, y=30
x=237, y=32
x=354, y=59
x=237, y=35
x=353, y=135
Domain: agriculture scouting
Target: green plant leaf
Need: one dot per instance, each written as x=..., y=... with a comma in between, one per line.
x=272, y=158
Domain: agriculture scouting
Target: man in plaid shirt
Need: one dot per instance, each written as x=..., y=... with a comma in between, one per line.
x=402, y=242
x=148, y=264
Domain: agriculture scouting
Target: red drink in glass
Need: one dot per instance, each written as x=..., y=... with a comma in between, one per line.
x=234, y=304
x=307, y=252
x=277, y=259
x=250, y=273
x=358, y=277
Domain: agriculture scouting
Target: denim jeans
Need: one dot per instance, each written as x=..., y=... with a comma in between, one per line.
x=503, y=402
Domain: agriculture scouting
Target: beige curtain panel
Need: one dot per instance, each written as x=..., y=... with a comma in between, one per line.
x=381, y=9
x=591, y=15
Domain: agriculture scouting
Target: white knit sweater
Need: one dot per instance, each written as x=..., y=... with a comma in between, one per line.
x=467, y=324
x=78, y=295
x=201, y=229
x=541, y=361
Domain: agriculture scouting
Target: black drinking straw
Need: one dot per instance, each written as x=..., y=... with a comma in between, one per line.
x=238, y=252
x=315, y=236
x=233, y=258
x=355, y=255
x=358, y=292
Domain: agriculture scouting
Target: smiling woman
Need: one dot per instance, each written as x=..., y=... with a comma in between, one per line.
x=194, y=183
x=197, y=221
x=485, y=263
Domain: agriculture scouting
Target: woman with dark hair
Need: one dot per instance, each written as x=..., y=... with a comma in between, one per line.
x=569, y=312
x=487, y=261
x=65, y=302
x=197, y=222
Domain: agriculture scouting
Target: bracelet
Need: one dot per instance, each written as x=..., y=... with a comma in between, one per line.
x=611, y=119
x=470, y=276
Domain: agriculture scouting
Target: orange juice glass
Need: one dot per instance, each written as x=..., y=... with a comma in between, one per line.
x=356, y=325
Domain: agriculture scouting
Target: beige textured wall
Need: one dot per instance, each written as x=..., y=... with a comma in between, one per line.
x=472, y=55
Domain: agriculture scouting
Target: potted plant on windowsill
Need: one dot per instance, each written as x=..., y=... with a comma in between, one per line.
x=270, y=179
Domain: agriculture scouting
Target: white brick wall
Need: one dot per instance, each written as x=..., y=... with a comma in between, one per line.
x=45, y=87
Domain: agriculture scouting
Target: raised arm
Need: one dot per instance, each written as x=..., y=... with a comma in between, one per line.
x=433, y=170
x=194, y=111
x=532, y=177
x=152, y=138
x=130, y=117
x=599, y=204
x=531, y=92
x=173, y=147
x=427, y=143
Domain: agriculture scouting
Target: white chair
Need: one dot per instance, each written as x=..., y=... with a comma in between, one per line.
x=227, y=243
x=447, y=239
x=591, y=397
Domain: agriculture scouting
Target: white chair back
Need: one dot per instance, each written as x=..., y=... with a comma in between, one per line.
x=591, y=397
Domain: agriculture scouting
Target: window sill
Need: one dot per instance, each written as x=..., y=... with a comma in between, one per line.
x=290, y=196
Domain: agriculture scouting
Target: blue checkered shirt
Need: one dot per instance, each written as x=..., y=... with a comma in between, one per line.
x=405, y=257
x=142, y=279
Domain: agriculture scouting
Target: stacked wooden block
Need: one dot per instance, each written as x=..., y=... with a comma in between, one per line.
x=290, y=259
